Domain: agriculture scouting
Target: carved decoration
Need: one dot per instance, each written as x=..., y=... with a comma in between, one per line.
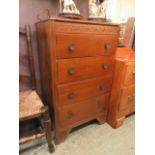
x=82, y=28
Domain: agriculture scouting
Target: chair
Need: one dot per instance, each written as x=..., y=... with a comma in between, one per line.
x=30, y=104
x=129, y=34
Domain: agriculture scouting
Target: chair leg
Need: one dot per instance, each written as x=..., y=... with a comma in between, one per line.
x=47, y=128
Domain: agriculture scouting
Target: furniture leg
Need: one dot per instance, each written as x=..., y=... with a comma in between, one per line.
x=116, y=122
x=101, y=119
x=47, y=128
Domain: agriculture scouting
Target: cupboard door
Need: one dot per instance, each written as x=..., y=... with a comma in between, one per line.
x=127, y=98
x=129, y=78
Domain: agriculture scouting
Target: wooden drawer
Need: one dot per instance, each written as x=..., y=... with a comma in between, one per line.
x=80, y=45
x=82, y=28
x=127, y=98
x=77, y=91
x=77, y=112
x=83, y=68
x=129, y=78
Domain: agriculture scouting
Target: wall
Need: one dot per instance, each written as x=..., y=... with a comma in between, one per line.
x=120, y=10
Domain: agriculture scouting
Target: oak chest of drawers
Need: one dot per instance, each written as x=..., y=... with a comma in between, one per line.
x=122, y=100
x=76, y=63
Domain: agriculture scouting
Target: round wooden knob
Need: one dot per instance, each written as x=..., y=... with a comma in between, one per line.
x=102, y=87
x=107, y=46
x=71, y=70
x=70, y=114
x=105, y=66
x=72, y=47
x=131, y=98
x=71, y=95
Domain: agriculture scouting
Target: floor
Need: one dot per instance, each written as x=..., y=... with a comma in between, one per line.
x=93, y=139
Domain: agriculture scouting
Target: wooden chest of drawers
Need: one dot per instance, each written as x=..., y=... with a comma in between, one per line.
x=76, y=63
x=122, y=100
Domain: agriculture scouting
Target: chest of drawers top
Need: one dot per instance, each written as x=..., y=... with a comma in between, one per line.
x=82, y=26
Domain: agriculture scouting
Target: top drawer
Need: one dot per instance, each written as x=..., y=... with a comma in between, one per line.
x=88, y=28
x=81, y=45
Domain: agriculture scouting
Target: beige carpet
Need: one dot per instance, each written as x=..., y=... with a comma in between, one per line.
x=94, y=139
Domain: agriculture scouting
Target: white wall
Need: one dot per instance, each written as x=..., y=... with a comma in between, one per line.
x=120, y=10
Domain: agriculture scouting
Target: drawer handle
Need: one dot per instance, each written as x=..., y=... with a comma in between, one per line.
x=71, y=95
x=70, y=114
x=102, y=87
x=107, y=46
x=105, y=66
x=131, y=98
x=71, y=70
x=133, y=73
x=72, y=47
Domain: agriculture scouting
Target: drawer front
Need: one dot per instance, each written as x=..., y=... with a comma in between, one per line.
x=83, y=68
x=80, y=45
x=77, y=112
x=129, y=78
x=127, y=98
x=62, y=27
x=78, y=91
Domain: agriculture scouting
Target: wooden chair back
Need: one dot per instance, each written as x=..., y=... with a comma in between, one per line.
x=29, y=56
x=129, y=34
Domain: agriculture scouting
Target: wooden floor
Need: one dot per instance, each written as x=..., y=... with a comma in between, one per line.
x=92, y=139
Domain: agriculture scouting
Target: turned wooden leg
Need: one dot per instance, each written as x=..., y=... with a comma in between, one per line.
x=61, y=135
x=101, y=119
x=116, y=122
x=47, y=128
